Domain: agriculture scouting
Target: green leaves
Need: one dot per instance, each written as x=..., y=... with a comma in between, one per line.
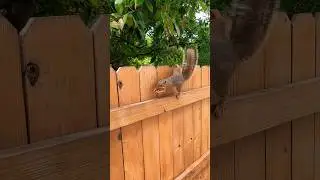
x=119, y=6
x=138, y=3
x=149, y=5
x=128, y=19
x=150, y=28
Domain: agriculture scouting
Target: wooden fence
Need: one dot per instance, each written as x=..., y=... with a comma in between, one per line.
x=56, y=128
x=271, y=130
x=53, y=104
x=158, y=138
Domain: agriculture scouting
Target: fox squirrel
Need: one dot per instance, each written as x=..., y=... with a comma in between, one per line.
x=180, y=75
x=235, y=37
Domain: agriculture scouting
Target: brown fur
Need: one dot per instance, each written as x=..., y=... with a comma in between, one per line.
x=179, y=76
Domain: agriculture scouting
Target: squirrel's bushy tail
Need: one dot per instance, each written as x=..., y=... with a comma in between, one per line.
x=189, y=63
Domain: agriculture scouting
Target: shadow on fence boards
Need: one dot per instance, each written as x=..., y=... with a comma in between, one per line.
x=54, y=99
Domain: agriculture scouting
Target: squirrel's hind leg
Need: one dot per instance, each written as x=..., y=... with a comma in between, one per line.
x=177, y=91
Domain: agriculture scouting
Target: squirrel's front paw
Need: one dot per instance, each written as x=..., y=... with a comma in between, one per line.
x=178, y=95
x=218, y=111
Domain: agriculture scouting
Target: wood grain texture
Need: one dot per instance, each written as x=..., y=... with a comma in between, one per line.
x=136, y=112
x=222, y=162
x=188, y=132
x=116, y=155
x=303, y=47
x=177, y=135
x=250, y=157
x=101, y=45
x=166, y=134
x=63, y=157
x=317, y=146
x=13, y=124
x=278, y=72
x=317, y=34
x=273, y=107
x=150, y=126
x=205, y=126
x=250, y=150
x=303, y=67
x=317, y=115
x=197, y=114
x=223, y=159
x=166, y=146
x=205, y=120
x=129, y=92
x=195, y=168
x=114, y=101
x=63, y=99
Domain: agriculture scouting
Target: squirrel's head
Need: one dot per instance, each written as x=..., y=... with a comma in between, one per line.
x=162, y=82
x=161, y=86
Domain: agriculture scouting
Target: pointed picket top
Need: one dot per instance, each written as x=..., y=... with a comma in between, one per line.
x=302, y=18
x=61, y=46
x=128, y=85
x=101, y=47
x=4, y=23
x=54, y=24
x=102, y=22
x=13, y=125
x=114, y=101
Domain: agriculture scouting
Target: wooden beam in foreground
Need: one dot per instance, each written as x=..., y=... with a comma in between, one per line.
x=126, y=115
x=252, y=113
x=79, y=156
x=196, y=167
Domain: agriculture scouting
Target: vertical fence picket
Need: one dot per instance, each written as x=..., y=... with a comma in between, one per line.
x=166, y=134
x=205, y=117
x=101, y=45
x=116, y=155
x=150, y=126
x=62, y=100
x=278, y=73
x=13, y=128
x=317, y=116
x=188, y=126
x=303, y=68
x=197, y=116
x=205, y=113
x=250, y=151
x=129, y=93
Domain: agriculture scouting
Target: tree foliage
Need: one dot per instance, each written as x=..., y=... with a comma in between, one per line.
x=154, y=29
x=87, y=9
x=143, y=31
